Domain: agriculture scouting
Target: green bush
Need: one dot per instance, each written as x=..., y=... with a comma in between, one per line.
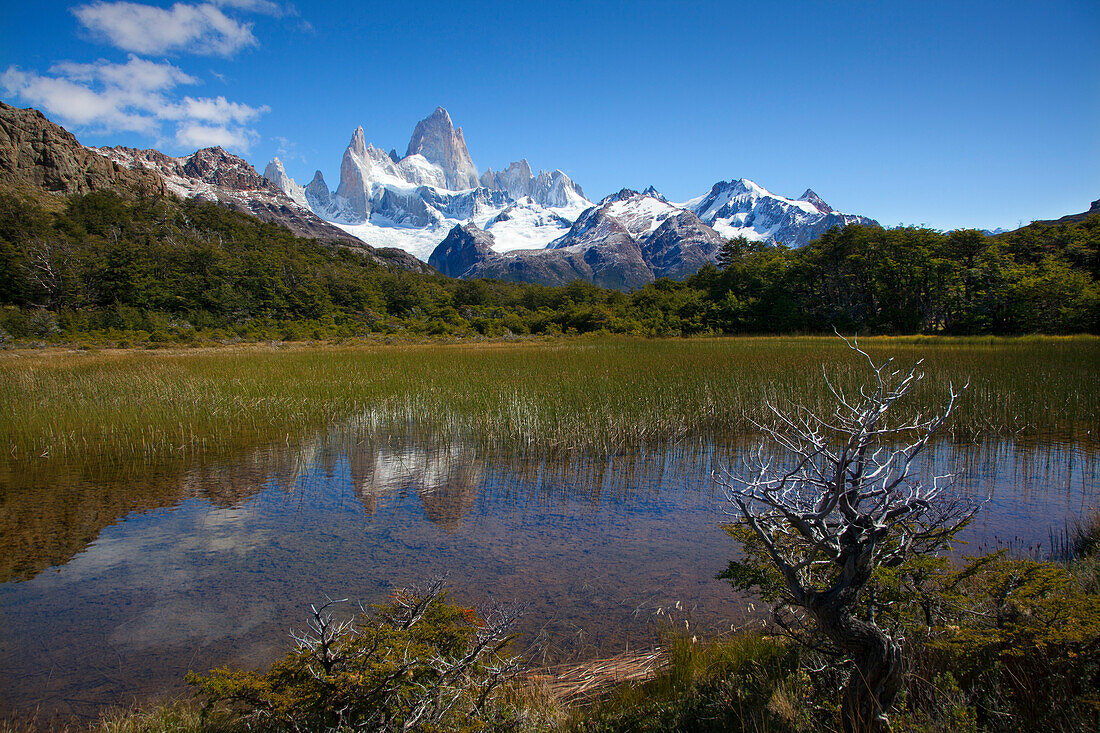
x=420, y=662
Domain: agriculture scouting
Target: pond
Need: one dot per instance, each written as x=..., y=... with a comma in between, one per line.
x=117, y=579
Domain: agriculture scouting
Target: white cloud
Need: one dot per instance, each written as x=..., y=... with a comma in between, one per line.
x=76, y=104
x=202, y=29
x=134, y=97
x=136, y=74
x=195, y=135
x=265, y=7
x=219, y=110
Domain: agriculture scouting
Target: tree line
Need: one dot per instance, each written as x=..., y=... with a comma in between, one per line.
x=171, y=270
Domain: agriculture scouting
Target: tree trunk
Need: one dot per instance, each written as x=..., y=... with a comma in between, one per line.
x=876, y=678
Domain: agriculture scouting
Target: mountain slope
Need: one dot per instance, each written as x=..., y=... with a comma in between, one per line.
x=215, y=175
x=743, y=208
x=38, y=153
x=468, y=252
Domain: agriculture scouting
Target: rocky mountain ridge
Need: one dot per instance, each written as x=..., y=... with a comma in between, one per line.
x=742, y=208
x=37, y=153
x=630, y=239
x=415, y=201
x=412, y=201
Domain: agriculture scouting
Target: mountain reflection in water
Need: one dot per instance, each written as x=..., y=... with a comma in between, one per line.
x=118, y=579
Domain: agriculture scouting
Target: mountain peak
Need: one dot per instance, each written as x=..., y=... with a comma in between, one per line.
x=464, y=246
x=812, y=198
x=276, y=173
x=358, y=142
x=436, y=138
x=216, y=166
x=621, y=195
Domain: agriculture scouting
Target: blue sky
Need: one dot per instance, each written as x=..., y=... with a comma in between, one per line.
x=949, y=114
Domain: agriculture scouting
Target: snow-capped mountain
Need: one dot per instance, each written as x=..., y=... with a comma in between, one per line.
x=742, y=208
x=414, y=202
x=533, y=227
x=275, y=173
x=213, y=174
x=550, y=189
x=626, y=241
x=411, y=202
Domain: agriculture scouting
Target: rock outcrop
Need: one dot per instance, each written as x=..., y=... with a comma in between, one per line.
x=465, y=246
x=223, y=169
x=467, y=252
x=548, y=188
x=436, y=138
x=41, y=154
x=680, y=246
x=317, y=193
x=630, y=239
x=813, y=198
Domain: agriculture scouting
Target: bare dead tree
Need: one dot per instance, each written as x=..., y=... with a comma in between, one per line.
x=849, y=500
x=46, y=262
x=322, y=636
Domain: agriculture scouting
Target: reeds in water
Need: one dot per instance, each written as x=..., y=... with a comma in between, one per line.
x=605, y=395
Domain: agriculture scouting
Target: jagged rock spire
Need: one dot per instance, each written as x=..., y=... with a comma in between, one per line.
x=436, y=138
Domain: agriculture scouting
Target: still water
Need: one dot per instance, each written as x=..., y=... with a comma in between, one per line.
x=116, y=580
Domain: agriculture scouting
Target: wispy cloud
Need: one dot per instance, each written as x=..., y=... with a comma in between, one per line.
x=287, y=149
x=264, y=7
x=196, y=135
x=134, y=97
x=137, y=75
x=147, y=29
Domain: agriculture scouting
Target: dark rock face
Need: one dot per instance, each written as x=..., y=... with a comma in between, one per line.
x=812, y=198
x=467, y=252
x=594, y=226
x=617, y=265
x=464, y=247
x=598, y=248
x=317, y=193
x=680, y=246
x=36, y=152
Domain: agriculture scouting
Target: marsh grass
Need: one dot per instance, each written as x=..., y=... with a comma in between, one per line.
x=602, y=395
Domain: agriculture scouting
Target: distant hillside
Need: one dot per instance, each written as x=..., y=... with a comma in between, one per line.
x=1073, y=218
x=37, y=154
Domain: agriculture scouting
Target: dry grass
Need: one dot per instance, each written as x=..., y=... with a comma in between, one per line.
x=569, y=685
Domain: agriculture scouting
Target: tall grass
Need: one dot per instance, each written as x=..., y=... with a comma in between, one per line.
x=571, y=394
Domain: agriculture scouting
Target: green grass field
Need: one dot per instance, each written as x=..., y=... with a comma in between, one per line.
x=596, y=394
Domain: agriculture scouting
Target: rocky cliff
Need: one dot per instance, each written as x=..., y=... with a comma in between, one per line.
x=437, y=140
x=38, y=153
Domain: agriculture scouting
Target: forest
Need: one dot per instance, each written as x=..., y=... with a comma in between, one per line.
x=155, y=269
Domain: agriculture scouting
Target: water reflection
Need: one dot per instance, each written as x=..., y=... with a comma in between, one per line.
x=118, y=580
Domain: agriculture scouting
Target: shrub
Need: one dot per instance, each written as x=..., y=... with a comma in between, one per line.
x=420, y=662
